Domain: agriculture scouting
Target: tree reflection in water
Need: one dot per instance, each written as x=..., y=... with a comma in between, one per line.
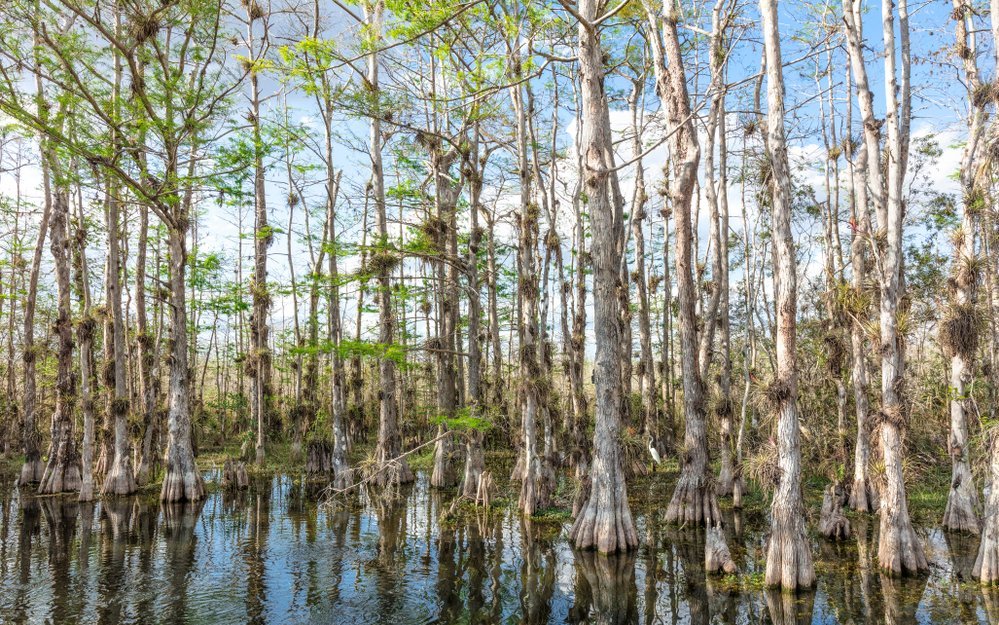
x=606, y=583
x=272, y=554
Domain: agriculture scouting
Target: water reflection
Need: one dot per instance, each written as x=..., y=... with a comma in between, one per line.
x=606, y=584
x=271, y=555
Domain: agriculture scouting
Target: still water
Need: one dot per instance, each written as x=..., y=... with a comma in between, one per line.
x=272, y=555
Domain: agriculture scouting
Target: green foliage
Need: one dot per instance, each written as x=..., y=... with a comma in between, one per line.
x=463, y=420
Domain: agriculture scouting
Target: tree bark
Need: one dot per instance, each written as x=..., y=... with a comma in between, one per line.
x=863, y=497
x=605, y=521
x=899, y=551
x=537, y=478
x=85, y=337
x=987, y=563
x=475, y=462
x=146, y=357
x=960, y=324
x=32, y=469
x=693, y=500
x=119, y=479
x=389, y=447
x=789, y=558
x=646, y=368
x=262, y=238
x=62, y=472
x=183, y=481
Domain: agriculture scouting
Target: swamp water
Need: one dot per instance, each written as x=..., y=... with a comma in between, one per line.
x=272, y=555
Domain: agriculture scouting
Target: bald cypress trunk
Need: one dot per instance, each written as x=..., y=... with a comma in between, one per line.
x=183, y=481
x=899, y=551
x=146, y=359
x=62, y=472
x=863, y=497
x=959, y=327
x=119, y=479
x=260, y=361
x=475, y=462
x=604, y=523
x=789, y=559
x=987, y=564
x=391, y=468
x=32, y=469
x=85, y=328
x=646, y=368
x=693, y=500
x=537, y=478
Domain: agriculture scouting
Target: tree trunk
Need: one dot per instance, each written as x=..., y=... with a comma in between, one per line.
x=646, y=368
x=262, y=237
x=987, y=563
x=390, y=466
x=605, y=521
x=960, y=324
x=146, y=357
x=475, y=462
x=444, y=232
x=183, y=481
x=85, y=336
x=693, y=499
x=537, y=478
x=789, y=559
x=62, y=472
x=119, y=479
x=899, y=551
x=32, y=469
x=863, y=497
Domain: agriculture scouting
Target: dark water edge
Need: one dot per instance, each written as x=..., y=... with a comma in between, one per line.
x=273, y=555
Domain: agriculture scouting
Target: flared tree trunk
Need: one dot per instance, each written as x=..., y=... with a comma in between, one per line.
x=604, y=523
x=693, y=499
x=960, y=325
x=789, y=558
x=62, y=472
x=32, y=469
x=119, y=479
x=987, y=563
x=85, y=337
x=182, y=481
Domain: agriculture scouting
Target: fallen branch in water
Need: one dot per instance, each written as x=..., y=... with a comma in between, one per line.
x=330, y=492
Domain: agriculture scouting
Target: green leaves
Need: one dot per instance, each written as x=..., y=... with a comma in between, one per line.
x=463, y=420
x=349, y=348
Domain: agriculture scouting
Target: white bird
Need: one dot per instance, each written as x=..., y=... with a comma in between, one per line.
x=655, y=455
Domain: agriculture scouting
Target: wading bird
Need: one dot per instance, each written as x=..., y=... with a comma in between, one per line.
x=655, y=455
